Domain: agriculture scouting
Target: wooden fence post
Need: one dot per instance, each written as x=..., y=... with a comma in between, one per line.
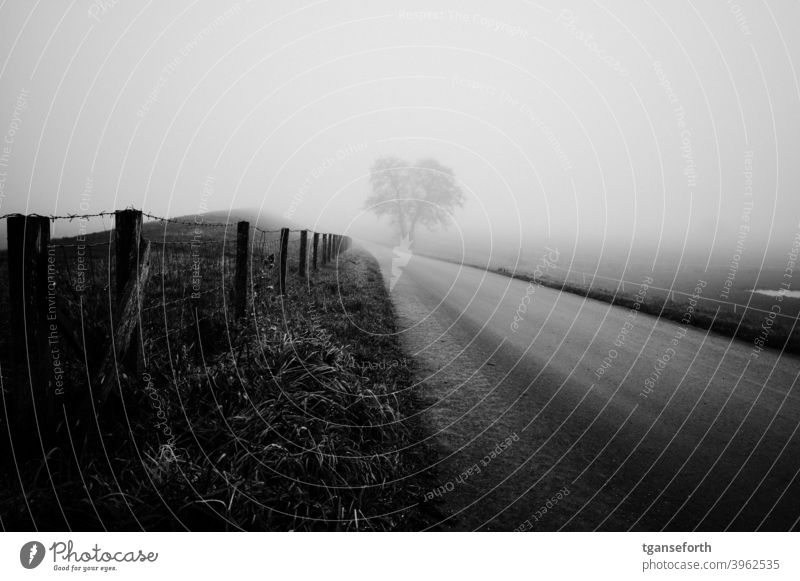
x=324, y=249
x=328, y=248
x=127, y=325
x=240, y=277
x=30, y=287
x=284, y=254
x=127, y=234
x=314, y=250
x=303, y=251
x=127, y=237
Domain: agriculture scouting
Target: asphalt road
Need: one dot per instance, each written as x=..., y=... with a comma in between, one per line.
x=682, y=430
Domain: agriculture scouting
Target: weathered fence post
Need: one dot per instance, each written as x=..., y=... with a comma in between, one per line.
x=127, y=325
x=284, y=254
x=324, y=248
x=127, y=234
x=127, y=237
x=328, y=248
x=32, y=321
x=303, y=251
x=314, y=250
x=240, y=277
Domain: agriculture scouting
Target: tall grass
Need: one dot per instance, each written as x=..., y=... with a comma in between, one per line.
x=278, y=423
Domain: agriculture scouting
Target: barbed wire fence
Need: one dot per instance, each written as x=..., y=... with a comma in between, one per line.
x=120, y=295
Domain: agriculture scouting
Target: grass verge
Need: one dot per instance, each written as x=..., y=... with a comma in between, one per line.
x=748, y=326
x=296, y=418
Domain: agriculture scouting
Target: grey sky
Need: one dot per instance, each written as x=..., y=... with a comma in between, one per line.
x=617, y=123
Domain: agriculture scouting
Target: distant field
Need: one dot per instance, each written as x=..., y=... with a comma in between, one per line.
x=738, y=313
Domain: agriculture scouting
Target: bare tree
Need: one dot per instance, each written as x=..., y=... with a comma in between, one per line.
x=424, y=193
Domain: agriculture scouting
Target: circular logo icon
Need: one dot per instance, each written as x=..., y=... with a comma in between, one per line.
x=31, y=554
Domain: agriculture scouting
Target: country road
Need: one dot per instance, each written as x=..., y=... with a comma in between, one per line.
x=532, y=436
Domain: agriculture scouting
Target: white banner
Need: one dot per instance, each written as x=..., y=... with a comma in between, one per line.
x=402, y=556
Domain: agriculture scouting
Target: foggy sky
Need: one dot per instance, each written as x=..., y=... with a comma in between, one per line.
x=628, y=126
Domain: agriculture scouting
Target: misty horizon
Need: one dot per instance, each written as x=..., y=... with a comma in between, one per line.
x=582, y=128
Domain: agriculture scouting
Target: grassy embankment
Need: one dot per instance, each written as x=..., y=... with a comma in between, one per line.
x=295, y=418
x=746, y=325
